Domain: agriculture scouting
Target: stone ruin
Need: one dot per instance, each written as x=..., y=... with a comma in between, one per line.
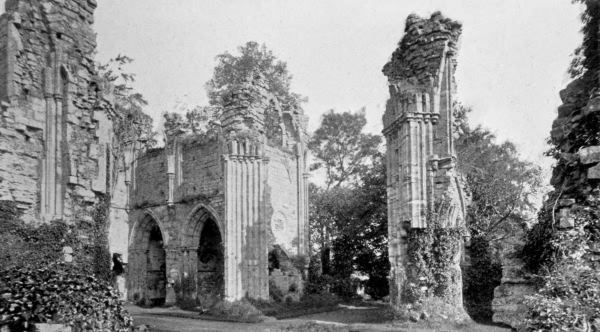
x=56, y=115
x=574, y=176
x=199, y=215
x=219, y=201
x=420, y=144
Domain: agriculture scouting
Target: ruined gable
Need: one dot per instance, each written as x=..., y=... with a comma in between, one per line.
x=424, y=189
x=240, y=175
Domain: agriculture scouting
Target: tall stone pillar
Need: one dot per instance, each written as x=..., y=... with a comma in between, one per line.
x=424, y=191
x=245, y=246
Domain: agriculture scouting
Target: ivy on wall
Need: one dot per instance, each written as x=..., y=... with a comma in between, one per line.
x=432, y=255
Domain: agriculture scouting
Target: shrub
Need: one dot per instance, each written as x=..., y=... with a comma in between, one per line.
x=311, y=327
x=569, y=298
x=275, y=292
x=60, y=293
x=481, y=278
x=242, y=308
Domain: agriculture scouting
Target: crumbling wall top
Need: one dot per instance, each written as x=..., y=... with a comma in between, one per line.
x=419, y=54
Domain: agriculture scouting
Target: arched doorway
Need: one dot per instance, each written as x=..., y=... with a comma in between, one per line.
x=211, y=263
x=156, y=271
x=147, y=277
x=205, y=259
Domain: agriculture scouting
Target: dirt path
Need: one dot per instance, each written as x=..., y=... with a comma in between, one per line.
x=353, y=318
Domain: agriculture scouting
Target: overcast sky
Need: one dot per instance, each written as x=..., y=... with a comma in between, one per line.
x=512, y=63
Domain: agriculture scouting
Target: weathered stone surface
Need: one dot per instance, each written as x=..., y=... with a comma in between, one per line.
x=589, y=155
x=253, y=189
x=593, y=173
x=592, y=106
x=420, y=143
x=573, y=92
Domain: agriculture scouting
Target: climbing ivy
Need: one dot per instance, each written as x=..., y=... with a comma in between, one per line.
x=432, y=253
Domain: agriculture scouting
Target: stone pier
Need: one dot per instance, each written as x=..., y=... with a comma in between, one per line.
x=421, y=178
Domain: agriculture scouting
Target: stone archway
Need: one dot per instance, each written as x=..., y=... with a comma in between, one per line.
x=147, y=263
x=205, y=257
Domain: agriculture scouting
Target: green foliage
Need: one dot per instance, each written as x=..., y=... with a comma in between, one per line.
x=275, y=292
x=349, y=216
x=311, y=327
x=431, y=255
x=342, y=149
x=570, y=295
x=132, y=128
x=481, y=277
x=60, y=293
x=242, y=308
x=252, y=58
x=353, y=223
x=429, y=309
x=503, y=187
x=36, y=245
x=306, y=303
x=586, y=61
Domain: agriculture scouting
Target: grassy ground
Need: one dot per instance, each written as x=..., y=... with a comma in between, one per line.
x=355, y=317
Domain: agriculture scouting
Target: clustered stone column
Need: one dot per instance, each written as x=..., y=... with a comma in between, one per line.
x=421, y=180
x=246, y=262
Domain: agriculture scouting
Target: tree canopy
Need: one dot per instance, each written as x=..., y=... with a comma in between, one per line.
x=342, y=149
x=233, y=69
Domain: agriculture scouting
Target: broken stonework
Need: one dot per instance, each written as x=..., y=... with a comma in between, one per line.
x=420, y=144
x=217, y=201
x=516, y=283
x=56, y=117
x=575, y=174
x=56, y=111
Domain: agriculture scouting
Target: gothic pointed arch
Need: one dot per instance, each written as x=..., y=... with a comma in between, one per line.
x=195, y=222
x=138, y=239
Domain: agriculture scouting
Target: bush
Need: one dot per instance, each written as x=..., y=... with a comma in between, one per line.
x=241, y=308
x=481, y=278
x=60, y=293
x=311, y=327
x=569, y=298
x=275, y=292
x=430, y=309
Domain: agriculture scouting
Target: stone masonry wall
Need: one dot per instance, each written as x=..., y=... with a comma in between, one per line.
x=574, y=176
x=421, y=174
x=233, y=176
x=283, y=196
x=55, y=113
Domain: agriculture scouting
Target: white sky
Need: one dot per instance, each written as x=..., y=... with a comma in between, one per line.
x=511, y=66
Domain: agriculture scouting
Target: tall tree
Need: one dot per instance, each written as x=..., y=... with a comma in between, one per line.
x=252, y=58
x=132, y=125
x=503, y=188
x=342, y=149
x=348, y=215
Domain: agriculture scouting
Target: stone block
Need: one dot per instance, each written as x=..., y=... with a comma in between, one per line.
x=52, y=328
x=593, y=173
x=589, y=155
x=565, y=110
x=592, y=106
x=565, y=219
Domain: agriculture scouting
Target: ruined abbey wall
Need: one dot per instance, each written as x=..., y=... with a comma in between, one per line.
x=56, y=111
x=251, y=187
x=422, y=182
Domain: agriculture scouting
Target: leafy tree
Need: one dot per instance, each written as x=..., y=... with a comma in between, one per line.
x=132, y=127
x=254, y=59
x=233, y=69
x=502, y=185
x=342, y=149
x=349, y=214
